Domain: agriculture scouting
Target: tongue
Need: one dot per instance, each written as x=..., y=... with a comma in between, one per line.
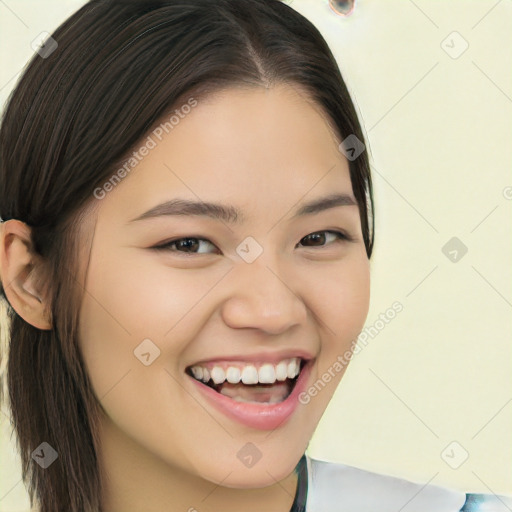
x=272, y=393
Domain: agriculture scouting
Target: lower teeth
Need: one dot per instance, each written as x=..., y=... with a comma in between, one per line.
x=257, y=394
x=238, y=398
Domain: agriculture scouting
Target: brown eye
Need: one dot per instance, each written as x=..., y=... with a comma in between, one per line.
x=318, y=239
x=191, y=245
x=186, y=245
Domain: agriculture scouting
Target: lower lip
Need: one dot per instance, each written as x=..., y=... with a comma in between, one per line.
x=262, y=417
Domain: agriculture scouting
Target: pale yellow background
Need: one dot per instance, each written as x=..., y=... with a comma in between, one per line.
x=440, y=132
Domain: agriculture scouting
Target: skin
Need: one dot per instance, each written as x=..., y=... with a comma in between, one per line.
x=265, y=151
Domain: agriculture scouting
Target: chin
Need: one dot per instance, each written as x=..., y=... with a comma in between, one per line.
x=252, y=478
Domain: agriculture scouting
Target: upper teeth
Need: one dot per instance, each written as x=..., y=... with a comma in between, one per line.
x=248, y=373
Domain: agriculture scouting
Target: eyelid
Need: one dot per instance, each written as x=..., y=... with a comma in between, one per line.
x=164, y=246
x=343, y=236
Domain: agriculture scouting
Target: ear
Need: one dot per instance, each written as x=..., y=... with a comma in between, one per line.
x=20, y=273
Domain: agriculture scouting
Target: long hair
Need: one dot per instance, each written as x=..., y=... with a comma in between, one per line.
x=119, y=67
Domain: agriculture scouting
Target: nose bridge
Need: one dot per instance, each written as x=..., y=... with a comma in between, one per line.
x=262, y=297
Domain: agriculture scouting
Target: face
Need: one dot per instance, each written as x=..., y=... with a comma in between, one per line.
x=262, y=297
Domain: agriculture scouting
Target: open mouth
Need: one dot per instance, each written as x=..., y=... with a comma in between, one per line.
x=263, y=383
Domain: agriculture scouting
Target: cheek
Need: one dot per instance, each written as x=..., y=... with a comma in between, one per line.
x=125, y=303
x=341, y=304
x=132, y=297
x=342, y=299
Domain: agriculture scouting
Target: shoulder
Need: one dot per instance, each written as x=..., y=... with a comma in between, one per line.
x=487, y=503
x=333, y=487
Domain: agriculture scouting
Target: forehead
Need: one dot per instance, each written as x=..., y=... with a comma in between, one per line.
x=242, y=145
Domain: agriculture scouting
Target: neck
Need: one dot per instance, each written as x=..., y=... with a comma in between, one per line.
x=135, y=480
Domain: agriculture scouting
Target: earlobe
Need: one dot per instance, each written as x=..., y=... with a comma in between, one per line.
x=19, y=269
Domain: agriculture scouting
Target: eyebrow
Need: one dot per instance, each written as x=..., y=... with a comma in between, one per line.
x=232, y=215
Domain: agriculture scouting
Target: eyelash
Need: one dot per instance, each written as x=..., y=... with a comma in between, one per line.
x=166, y=246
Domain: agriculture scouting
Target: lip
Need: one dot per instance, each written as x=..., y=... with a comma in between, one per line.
x=258, y=357
x=261, y=417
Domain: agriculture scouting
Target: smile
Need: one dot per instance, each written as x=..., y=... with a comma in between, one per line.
x=261, y=394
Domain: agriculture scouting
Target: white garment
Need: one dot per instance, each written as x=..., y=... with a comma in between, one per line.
x=334, y=487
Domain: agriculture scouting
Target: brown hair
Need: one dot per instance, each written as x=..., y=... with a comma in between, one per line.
x=119, y=67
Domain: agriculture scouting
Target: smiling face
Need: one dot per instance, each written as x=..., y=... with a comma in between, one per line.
x=259, y=297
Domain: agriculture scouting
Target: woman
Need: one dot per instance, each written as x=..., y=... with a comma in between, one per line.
x=187, y=229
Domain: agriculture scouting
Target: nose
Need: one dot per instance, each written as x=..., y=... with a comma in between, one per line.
x=261, y=297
